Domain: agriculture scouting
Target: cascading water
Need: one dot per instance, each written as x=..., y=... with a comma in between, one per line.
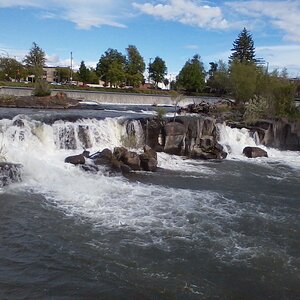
x=192, y=230
x=234, y=140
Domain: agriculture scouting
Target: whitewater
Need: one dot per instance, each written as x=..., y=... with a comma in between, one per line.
x=193, y=230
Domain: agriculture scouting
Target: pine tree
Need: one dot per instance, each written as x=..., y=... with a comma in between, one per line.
x=243, y=48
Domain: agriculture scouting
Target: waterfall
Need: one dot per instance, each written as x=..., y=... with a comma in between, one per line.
x=91, y=134
x=234, y=140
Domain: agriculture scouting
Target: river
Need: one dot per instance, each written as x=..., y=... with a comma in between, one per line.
x=192, y=230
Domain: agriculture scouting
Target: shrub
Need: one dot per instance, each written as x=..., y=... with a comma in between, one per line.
x=41, y=89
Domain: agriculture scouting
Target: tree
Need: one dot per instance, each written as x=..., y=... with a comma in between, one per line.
x=63, y=74
x=243, y=79
x=83, y=73
x=135, y=67
x=35, y=60
x=104, y=69
x=243, y=48
x=116, y=74
x=218, y=79
x=11, y=68
x=192, y=75
x=157, y=70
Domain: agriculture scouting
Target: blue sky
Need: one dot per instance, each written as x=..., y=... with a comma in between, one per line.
x=175, y=30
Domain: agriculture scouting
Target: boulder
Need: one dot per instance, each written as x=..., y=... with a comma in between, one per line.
x=150, y=152
x=132, y=160
x=102, y=158
x=10, y=173
x=253, y=152
x=75, y=159
x=119, y=152
x=148, y=163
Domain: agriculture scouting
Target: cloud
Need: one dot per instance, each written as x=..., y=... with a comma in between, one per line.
x=85, y=14
x=283, y=14
x=188, y=12
x=192, y=47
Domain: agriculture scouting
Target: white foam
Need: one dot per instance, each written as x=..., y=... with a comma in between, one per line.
x=235, y=140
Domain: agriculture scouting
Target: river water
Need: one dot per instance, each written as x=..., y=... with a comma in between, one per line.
x=191, y=230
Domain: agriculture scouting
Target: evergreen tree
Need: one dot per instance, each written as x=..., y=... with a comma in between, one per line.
x=157, y=70
x=192, y=75
x=243, y=48
x=35, y=60
x=83, y=73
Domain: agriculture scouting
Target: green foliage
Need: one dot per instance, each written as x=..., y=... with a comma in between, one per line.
x=283, y=98
x=256, y=109
x=243, y=78
x=41, y=88
x=192, y=75
x=63, y=74
x=116, y=74
x=11, y=69
x=83, y=73
x=104, y=69
x=35, y=60
x=157, y=70
x=135, y=67
x=160, y=112
x=219, y=81
x=243, y=48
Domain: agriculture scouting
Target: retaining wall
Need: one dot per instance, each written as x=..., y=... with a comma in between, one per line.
x=105, y=97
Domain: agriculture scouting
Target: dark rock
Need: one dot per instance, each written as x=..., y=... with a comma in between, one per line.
x=75, y=159
x=148, y=163
x=174, y=139
x=119, y=152
x=86, y=153
x=253, y=152
x=10, y=173
x=132, y=160
x=102, y=158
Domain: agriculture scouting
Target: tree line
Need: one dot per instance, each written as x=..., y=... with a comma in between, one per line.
x=244, y=77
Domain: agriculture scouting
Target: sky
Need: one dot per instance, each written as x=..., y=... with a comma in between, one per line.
x=174, y=30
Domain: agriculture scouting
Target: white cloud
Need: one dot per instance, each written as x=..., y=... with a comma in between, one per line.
x=192, y=47
x=189, y=12
x=282, y=14
x=85, y=14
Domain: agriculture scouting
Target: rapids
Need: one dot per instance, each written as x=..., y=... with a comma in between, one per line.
x=193, y=230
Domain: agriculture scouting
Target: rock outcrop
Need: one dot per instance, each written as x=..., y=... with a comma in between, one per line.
x=191, y=136
x=10, y=173
x=254, y=152
x=118, y=160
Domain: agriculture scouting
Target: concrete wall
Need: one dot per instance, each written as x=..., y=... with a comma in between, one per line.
x=104, y=97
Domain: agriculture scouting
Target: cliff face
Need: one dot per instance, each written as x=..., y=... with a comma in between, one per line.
x=279, y=134
x=192, y=136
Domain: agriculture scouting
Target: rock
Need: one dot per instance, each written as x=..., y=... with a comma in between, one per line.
x=253, y=152
x=119, y=152
x=102, y=158
x=75, y=159
x=132, y=160
x=150, y=152
x=148, y=163
x=10, y=173
x=174, y=140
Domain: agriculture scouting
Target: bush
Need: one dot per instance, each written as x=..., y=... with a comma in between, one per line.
x=255, y=109
x=41, y=89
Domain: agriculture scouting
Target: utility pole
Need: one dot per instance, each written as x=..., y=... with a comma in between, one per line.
x=71, y=71
x=149, y=69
